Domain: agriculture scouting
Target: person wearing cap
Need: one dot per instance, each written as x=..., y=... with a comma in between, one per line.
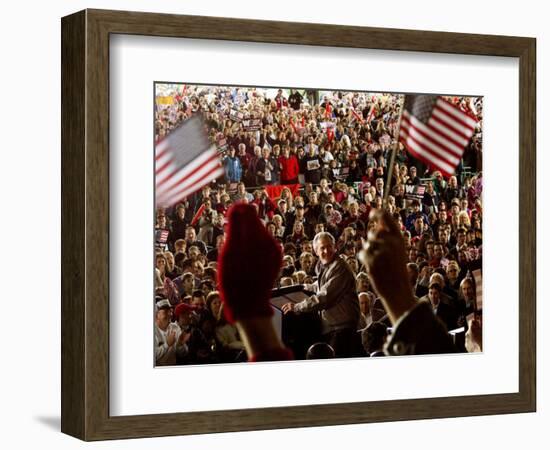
x=298, y=216
x=331, y=218
x=198, y=348
x=170, y=342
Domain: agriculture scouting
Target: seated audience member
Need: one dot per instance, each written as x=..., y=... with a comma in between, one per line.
x=199, y=350
x=366, y=299
x=185, y=284
x=170, y=342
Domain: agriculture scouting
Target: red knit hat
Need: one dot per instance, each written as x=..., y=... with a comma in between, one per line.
x=183, y=308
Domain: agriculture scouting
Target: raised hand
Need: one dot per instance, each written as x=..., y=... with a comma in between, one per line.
x=248, y=265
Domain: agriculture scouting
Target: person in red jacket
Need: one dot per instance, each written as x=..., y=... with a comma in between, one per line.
x=290, y=167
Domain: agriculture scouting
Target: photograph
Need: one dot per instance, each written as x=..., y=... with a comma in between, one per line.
x=300, y=223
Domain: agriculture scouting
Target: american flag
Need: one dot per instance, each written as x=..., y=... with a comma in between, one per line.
x=479, y=289
x=435, y=131
x=185, y=161
x=162, y=236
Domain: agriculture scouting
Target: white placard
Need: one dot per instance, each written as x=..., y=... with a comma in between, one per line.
x=136, y=387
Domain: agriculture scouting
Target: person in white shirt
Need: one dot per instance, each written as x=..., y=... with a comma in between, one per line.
x=169, y=339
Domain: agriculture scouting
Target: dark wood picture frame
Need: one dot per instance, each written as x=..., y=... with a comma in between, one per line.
x=85, y=224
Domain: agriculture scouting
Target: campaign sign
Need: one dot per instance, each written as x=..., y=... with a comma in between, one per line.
x=252, y=124
x=415, y=192
x=236, y=116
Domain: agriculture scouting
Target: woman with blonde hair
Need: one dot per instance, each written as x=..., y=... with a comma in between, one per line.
x=464, y=220
x=298, y=234
x=286, y=195
x=168, y=288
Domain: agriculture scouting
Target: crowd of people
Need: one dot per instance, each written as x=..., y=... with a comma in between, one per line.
x=314, y=166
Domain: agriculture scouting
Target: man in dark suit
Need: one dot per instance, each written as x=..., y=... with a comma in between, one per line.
x=443, y=311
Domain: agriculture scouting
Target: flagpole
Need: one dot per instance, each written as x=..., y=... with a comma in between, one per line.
x=392, y=157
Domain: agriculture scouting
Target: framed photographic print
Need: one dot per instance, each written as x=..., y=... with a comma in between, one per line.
x=170, y=122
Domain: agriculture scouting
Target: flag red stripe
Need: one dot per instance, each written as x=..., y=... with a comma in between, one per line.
x=187, y=175
x=440, y=152
x=447, y=133
x=163, y=167
x=456, y=120
x=174, y=197
x=436, y=134
x=160, y=153
x=454, y=152
x=429, y=162
x=427, y=155
x=458, y=113
x=439, y=139
x=458, y=130
x=160, y=183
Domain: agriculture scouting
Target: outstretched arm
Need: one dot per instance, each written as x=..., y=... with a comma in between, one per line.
x=385, y=259
x=416, y=330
